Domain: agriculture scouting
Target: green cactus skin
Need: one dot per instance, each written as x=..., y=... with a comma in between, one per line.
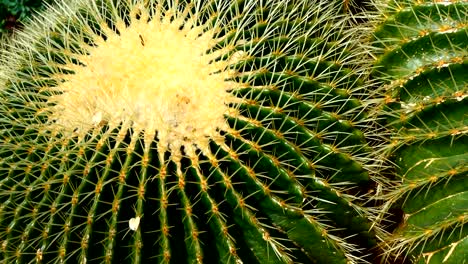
x=423, y=63
x=281, y=183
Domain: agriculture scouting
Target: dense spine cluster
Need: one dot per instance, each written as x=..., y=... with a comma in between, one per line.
x=99, y=171
x=423, y=64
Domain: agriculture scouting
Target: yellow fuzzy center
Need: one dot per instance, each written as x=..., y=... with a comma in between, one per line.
x=161, y=76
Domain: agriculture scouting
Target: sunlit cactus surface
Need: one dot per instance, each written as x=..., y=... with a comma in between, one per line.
x=166, y=131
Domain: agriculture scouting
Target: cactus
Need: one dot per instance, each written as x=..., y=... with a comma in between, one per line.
x=166, y=131
x=14, y=12
x=422, y=61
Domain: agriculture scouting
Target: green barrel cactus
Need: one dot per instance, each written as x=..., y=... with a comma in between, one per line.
x=166, y=131
x=423, y=64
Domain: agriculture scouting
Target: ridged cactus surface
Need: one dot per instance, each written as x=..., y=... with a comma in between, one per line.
x=174, y=132
x=423, y=63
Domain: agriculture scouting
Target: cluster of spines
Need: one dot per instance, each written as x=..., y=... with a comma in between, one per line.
x=283, y=182
x=423, y=65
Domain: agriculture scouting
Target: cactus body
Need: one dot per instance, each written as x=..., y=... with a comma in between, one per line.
x=424, y=64
x=161, y=131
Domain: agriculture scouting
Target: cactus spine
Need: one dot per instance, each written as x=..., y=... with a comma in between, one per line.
x=167, y=131
x=423, y=64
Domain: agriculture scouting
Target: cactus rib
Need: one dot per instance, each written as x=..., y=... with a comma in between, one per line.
x=422, y=62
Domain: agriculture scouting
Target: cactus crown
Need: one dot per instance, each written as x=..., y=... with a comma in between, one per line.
x=161, y=75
